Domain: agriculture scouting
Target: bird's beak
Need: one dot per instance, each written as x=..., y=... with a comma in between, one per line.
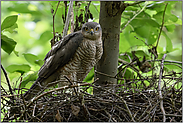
x=91, y=31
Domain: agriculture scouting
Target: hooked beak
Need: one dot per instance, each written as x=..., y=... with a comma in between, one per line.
x=91, y=31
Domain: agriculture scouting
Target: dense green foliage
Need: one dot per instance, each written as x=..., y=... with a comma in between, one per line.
x=26, y=30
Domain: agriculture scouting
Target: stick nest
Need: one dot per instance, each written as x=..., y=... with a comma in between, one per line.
x=127, y=102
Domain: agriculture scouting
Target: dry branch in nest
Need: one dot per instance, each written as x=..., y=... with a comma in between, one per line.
x=129, y=102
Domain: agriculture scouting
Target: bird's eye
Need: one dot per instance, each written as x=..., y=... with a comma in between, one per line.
x=96, y=29
x=86, y=28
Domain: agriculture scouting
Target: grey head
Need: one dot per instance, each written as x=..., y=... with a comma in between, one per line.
x=91, y=30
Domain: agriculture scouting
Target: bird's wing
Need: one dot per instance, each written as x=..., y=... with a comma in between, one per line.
x=60, y=54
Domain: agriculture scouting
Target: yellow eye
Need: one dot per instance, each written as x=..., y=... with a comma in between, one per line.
x=86, y=29
x=96, y=29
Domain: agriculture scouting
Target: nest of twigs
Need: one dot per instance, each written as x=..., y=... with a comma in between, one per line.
x=128, y=102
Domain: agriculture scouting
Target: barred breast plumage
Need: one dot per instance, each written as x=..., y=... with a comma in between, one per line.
x=88, y=54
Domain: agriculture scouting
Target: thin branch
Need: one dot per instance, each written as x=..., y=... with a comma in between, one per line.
x=72, y=21
x=7, y=79
x=105, y=74
x=159, y=35
x=67, y=19
x=148, y=46
x=87, y=10
x=71, y=84
x=60, y=88
x=134, y=17
x=135, y=3
x=53, y=40
x=161, y=25
x=176, y=62
x=128, y=64
x=159, y=88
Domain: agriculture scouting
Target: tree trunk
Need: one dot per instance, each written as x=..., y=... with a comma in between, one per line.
x=110, y=20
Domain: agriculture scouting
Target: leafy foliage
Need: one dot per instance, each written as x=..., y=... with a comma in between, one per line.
x=18, y=68
x=7, y=44
x=9, y=23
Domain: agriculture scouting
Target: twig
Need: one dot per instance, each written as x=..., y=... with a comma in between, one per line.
x=159, y=35
x=148, y=46
x=171, y=115
x=127, y=63
x=72, y=20
x=34, y=111
x=3, y=90
x=161, y=25
x=71, y=84
x=7, y=79
x=87, y=10
x=53, y=40
x=159, y=87
x=134, y=16
x=135, y=3
x=19, y=84
x=176, y=62
x=67, y=19
x=104, y=74
x=60, y=88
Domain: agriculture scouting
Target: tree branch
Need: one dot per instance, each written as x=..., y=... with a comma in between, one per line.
x=53, y=40
x=159, y=88
x=148, y=46
x=72, y=20
x=6, y=76
x=134, y=16
x=161, y=25
x=87, y=10
x=135, y=3
x=68, y=19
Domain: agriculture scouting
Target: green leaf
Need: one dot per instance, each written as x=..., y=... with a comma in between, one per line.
x=9, y=21
x=45, y=36
x=22, y=68
x=11, y=29
x=158, y=6
x=39, y=62
x=90, y=75
x=148, y=32
x=28, y=78
x=142, y=52
x=169, y=46
x=171, y=17
x=128, y=74
x=32, y=59
x=170, y=28
x=7, y=44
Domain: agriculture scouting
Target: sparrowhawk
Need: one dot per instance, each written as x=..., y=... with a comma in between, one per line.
x=73, y=56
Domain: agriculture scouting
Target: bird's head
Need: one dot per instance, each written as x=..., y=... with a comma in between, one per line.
x=91, y=30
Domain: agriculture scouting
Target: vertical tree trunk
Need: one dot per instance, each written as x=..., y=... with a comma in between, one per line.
x=110, y=20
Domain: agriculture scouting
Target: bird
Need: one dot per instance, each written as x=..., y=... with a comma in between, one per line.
x=73, y=56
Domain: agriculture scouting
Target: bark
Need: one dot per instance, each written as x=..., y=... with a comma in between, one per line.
x=110, y=21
